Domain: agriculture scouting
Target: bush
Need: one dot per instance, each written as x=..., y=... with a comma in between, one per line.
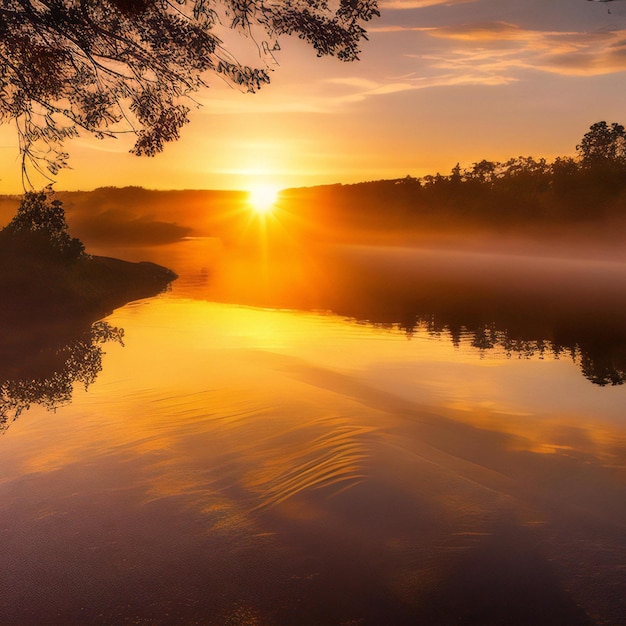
x=40, y=225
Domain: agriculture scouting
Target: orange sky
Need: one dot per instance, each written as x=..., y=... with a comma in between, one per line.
x=440, y=81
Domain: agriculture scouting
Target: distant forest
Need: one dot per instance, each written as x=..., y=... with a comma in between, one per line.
x=523, y=191
x=585, y=194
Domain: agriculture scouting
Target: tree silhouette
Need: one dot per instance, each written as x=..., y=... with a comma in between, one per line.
x=40, y=226
x=603, y=144
x=113, y=66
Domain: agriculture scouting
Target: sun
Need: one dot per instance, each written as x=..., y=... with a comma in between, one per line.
x=262, y=198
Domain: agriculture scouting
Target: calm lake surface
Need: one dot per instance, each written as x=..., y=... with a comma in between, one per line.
x=340, y=436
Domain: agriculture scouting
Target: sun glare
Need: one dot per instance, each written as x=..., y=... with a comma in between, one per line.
x=262, y=198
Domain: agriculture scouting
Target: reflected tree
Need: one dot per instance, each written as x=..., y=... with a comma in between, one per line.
x=603, y=367
x=49, y=377
x=574, y=321
x=600, y=363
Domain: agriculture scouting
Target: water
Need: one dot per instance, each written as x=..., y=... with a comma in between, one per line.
x=268, y=446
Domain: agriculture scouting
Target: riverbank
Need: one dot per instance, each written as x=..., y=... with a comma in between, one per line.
x=35, y=288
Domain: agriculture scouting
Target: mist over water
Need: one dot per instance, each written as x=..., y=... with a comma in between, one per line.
x=308, y=431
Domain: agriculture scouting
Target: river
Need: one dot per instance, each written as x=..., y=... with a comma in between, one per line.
x=280, y=439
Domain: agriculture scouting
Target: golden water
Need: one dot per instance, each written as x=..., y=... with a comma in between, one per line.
x=239, y=464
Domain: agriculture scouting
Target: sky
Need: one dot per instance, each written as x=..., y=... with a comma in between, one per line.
x=438, y=82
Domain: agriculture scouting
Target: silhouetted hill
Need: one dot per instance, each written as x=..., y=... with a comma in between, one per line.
x=125, y=216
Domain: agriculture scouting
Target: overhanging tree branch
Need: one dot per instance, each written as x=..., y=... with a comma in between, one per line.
x=111, y=66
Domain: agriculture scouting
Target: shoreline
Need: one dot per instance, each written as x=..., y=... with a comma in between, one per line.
x=36, y=290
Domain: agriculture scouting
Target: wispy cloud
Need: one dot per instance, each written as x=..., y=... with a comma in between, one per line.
x=499, y=50
x=361, y=90
x=392, y=28
x=418, y=4
x=328, y=96
x=482, y=31
x=490, y=53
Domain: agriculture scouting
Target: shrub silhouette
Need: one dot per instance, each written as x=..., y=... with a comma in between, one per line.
x=39, y=228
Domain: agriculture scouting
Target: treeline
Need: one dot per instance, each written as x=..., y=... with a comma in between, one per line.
x=522, y=190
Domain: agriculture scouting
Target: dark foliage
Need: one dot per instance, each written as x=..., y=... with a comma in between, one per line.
x=603, y=145
x=112, y=66
x=45, y=273
x=39, y=229
x=520, y=192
